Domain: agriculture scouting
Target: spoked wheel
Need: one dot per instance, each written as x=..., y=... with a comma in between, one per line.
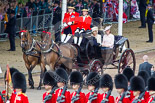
x=127, y=59
x=96, y=66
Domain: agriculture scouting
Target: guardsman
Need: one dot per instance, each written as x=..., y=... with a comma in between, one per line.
x=145, y=76
x=121, y=84
x=62, y=94
x=69, y=24
x=150, y=21
x=50, y=85
x=76, y=80
x=12, y=71
x=128, y=72
x=137, y=85
x=83, y=25
x=151, y=88
x=106, y=84
x=92, y=81
x=19, y=84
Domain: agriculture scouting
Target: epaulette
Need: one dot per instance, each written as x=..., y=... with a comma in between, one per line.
x=24, y=94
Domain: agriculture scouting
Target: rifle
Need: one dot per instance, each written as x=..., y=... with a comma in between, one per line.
x=2, y=96
x=106, y=98
x=60, y=98
x=122, y=96
x=139, y=98
x=76, y=97
x=48, y=97
x=93, y=96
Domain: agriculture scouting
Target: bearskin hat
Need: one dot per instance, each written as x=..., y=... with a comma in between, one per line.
x=12, y=70
x=49, y=79
x=76, y=78
x=151, y=83
x=93, y=79
x=61, y=75
x=106, y=81
x=128, y=72
x=145, y=76
x=19, y=81
x=137, y=84
x=121, y=81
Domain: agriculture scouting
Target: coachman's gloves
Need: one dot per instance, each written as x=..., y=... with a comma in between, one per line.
x=69, y=23
x=65, y=25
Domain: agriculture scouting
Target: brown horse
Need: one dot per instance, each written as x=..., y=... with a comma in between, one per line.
x=57, y=55
x=31, y=55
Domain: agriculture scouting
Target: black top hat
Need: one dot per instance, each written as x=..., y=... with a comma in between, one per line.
x=137, y=84
x=61, y=75
x=93, y=79
x=19, y=81
x=128, y=72
x=145, y=76
x=76, y=78
x=121, y=81
x=49, y=78
x=57, y=2
x=151, y=84
x=106, y=81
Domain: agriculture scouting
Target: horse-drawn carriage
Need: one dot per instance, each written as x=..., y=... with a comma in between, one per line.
x=86, y=58
x=93, y=58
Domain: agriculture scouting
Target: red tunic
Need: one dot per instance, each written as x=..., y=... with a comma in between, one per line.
x=19, y=98
x=73, y=17
x=52, y=100
x=146, y=96
x=85, y=23
x=67, y=95
x=1, y=101
x=103, y=96
x=82, y=97
x=131, y=95
x=150, y=99
x=94, y=101
x=125, y=99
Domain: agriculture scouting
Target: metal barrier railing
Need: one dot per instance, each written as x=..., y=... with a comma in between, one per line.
x=33, y=23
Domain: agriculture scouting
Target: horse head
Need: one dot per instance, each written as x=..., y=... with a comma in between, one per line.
x=25, y=38
x=46, y=40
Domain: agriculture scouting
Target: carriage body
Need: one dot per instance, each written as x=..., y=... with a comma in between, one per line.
x=93, y=58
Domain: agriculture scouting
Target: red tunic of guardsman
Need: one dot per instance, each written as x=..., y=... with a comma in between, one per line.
x=49, y=83
x=110, y=99
x=81, y=97
x=150, y=100
x=94, y=101
x=70, y=23
x=125, y=100
x=19, y=84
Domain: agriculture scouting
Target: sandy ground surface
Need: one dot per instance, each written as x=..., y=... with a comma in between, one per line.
x=136, y=36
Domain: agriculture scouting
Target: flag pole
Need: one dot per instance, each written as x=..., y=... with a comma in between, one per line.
x=120, y=18
x=64, y=9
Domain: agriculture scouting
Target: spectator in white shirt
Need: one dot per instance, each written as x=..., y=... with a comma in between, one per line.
x=108, y=38
x=96, y=35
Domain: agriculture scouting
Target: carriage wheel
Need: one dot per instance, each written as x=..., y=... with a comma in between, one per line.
x=124, y=46
x=127, y=59
x=88, y=51
x=96, y=66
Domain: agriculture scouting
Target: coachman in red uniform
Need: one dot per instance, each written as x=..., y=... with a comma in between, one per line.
x=70, y=22
x=128, y=72
x=151, y=88
x=61, y=78
x=138, y=87
x=84, y=23
x=106, y=84
x=92, y=82
x=145, y=76
x=76, y=80
x=19, y=84
x=121, y=84
x=49, y=83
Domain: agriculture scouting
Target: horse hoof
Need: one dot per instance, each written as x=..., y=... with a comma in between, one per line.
x=32, y=87
x=39, y=88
